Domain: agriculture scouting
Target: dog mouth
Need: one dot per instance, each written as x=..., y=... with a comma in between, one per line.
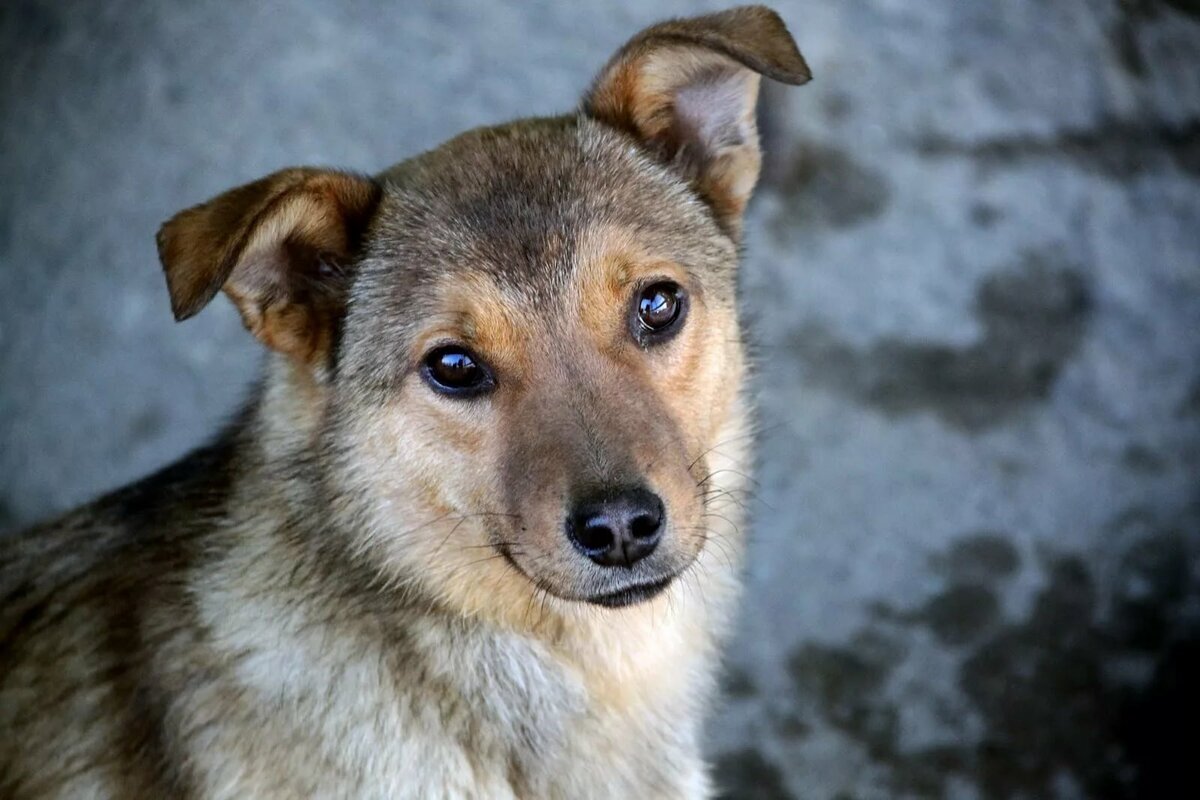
x=630, y=595
x=616, y=598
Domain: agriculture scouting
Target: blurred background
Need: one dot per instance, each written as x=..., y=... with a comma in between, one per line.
x=973, y=277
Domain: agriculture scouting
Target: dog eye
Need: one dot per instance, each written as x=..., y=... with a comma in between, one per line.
x=454, y=371
x=659, y=309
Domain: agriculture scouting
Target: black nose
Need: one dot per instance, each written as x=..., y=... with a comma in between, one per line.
x=617, y=527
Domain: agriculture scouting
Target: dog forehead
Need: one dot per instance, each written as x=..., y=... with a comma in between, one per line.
x=514, y=202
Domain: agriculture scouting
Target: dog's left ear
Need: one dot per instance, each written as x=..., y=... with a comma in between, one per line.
x=279, y=247
x=687, y=89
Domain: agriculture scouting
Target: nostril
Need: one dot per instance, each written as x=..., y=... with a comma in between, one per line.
x=594, y=533
x=645, y=525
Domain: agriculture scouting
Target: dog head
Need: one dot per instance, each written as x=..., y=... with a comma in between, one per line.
x=517, y=349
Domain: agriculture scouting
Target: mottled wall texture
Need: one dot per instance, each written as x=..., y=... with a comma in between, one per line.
x=973, y=278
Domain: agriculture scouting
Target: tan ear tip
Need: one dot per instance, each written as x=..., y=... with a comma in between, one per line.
x=181, y=312
x=187, y=294
x=800, y=73
x=782, y=57
x=789, y=67
x=185, y=301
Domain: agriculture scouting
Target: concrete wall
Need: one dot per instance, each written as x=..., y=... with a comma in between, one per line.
x=973, y=273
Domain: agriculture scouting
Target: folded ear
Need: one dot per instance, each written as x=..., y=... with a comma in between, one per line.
x=279, y=247
x=687, y=90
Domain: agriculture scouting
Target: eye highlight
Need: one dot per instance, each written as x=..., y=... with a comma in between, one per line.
x=453, y=370
x=658, y=311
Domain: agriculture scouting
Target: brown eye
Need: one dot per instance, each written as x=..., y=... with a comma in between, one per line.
x=659, y=310
x=454, y=371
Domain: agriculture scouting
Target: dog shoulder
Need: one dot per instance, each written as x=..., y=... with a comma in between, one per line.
x=89, y=600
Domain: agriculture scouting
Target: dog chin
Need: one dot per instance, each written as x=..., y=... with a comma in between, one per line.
x=630, y=595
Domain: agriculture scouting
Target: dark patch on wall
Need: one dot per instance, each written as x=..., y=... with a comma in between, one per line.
x=984, y=215
x=1190, y=407
x=1140, y=458
x=1033, y=318
x=1131, y=16
x=1123, y=34
x=1039, y=687
x=1052, y=705
x=836, y=106
x=1189, y=7
x=822, y=186
x=1121, y=150
x=1157, y=581
x=1154, y=578
x=1150, y=9
x=959, y=614
x=7, y=226
x=176, y=93
x=147, y=425
x=791, y=725
x=1048, y=701
x=29, y=25
x=1122, y=37
x=978, y=557
x=968, y=606
x=1158, y=729
x=8, y=520
x=848, y=683
x=747, y=775
x=737, y=684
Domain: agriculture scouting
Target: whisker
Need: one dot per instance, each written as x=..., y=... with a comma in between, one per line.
x=492, y=557
x=735, y=490
x=463, y=518
x=718, y=542
x=755, y=430
x=713, y=515
x=489, y=544
x=709, y=497
x=692, y=580
x=717, y=472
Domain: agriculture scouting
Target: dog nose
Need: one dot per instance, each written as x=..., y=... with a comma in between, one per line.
x=617, y=527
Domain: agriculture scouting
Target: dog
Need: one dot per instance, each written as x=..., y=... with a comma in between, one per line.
x=477, y=531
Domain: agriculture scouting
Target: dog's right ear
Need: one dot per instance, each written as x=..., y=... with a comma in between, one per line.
x=279, y=248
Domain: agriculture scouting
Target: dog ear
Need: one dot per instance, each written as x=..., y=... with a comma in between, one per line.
x=279, y=247
x=687, y=89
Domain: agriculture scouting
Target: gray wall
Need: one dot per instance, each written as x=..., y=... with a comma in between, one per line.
x=973, y=271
